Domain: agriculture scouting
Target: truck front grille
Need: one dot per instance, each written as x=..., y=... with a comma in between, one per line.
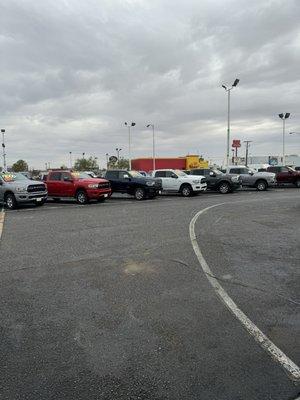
x=36, y=188
x=105, y=185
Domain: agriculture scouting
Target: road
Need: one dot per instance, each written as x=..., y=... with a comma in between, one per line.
x=109, y=301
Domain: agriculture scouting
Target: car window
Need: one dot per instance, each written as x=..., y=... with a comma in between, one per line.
x=169, y=174
x=55, y=176
x=284, y=169
x=66, y=175
x=160, y=174
x=124, y=174
x=234, y=170
x=112, y=174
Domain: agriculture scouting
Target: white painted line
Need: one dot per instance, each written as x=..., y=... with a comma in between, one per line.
x=285, y=362
x=2, y=214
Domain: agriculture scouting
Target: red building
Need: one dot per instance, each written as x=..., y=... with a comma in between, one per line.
x=146, y=164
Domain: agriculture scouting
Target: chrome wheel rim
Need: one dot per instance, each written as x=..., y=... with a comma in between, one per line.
x=186, y=191
x=224, y=188
x=9, y=202
x=261, y=186
x=139, y=194
x=81, y=198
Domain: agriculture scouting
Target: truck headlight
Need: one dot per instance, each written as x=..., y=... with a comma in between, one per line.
x=150, y=183
x=196, y=181
x=21, y=189
x=93, y=185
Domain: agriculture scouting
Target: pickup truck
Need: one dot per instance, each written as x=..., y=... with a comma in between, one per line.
x=177, y=181
x=78, y=185
x=259, y=180
x=217, y=181
x=15, y=189
x=286, y=175
x=133, y=183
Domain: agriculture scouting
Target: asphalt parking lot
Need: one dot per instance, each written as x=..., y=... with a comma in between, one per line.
x=109, y=301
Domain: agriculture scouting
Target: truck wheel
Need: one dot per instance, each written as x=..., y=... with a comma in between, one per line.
x=186, y=190
x=297, y=183
x=10, y=201
x=139, y=194
x=261, y=185
x=81, y=197
x=224, y=188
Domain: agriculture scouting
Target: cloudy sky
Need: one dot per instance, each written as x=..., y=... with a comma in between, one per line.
x=73, y=71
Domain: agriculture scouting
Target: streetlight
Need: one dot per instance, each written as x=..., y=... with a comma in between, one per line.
x=83, y=154
x=107, y=155
x=283, y=117
x=247, y=149
x=129, y=141
x=70, y=159
x=3, y=149
x=228, y=90
x=153, y=144
x=118, y=152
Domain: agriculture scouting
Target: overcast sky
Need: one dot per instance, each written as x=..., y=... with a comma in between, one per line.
x=73, y=71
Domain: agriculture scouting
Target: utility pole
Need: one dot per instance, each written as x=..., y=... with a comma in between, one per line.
x=3, y=148
x=283, y=117
x=153, y=145
x=128, y=125
x=247, y=148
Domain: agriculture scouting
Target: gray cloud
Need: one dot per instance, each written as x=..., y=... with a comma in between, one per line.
x=72, y=72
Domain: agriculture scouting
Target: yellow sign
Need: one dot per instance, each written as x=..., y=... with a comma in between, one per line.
x=193, y=162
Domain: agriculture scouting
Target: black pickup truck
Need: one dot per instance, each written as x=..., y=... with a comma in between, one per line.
x=133, y=183
x=217, y=181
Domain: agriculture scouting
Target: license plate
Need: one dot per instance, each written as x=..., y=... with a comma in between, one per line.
x=39, y=199
x=106, y=195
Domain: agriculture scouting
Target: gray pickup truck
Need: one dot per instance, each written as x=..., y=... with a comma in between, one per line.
x=15, y=188
x=259, y=180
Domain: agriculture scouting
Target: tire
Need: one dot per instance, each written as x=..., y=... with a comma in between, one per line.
x=224, y=188
x=81, y=197
x=297, y=183
x=10, y=201
x=186, y=190
x=261, y=185
x=139, y=193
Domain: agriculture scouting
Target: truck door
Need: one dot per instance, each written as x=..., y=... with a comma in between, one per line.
x=67, y=185
x=53, y=183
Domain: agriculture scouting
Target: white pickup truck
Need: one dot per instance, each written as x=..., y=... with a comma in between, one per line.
x=177, y=181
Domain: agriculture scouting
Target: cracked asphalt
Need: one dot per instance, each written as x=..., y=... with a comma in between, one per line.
x=108, y=301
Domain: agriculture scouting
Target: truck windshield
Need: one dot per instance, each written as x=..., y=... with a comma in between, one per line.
x=217, y=172
x=12, y=177
x=179, y=172
x=136, y=174
x=80, y=175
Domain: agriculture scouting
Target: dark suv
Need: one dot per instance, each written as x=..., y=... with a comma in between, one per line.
x=286, y=175
x=133, y=183
x=217, y=181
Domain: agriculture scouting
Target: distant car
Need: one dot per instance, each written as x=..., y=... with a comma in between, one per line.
x=133, y=183
x=177, y=181
x=297, y=168
x=79, y=185
x=217, y=181
x=286, y=175
x=15, y=189
x=144, y=173
x=91, y=174
x=259, y=180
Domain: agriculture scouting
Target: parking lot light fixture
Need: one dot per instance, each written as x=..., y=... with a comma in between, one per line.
x=228, y=90
x=129, y=126
x=283, y=117
x=70, y=153
x=3, y=150
x=153, y=144
x=118, y=152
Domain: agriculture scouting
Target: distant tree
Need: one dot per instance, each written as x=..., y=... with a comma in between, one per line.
x=19, y=166
x=123, y=163
x=86, y=164
x=63, y=166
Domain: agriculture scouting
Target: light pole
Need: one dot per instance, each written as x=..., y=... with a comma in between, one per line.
x=247, y=149
x=70, y=153
x=3, y=149
x=118, y=153
x=107, y=155
x=83, y=154
x=129, y=141
x=153, y=145
x=283, y=117
x=228, y=90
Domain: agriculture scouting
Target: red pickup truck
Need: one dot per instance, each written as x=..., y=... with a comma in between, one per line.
x=286, y=175
x=78, y=185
